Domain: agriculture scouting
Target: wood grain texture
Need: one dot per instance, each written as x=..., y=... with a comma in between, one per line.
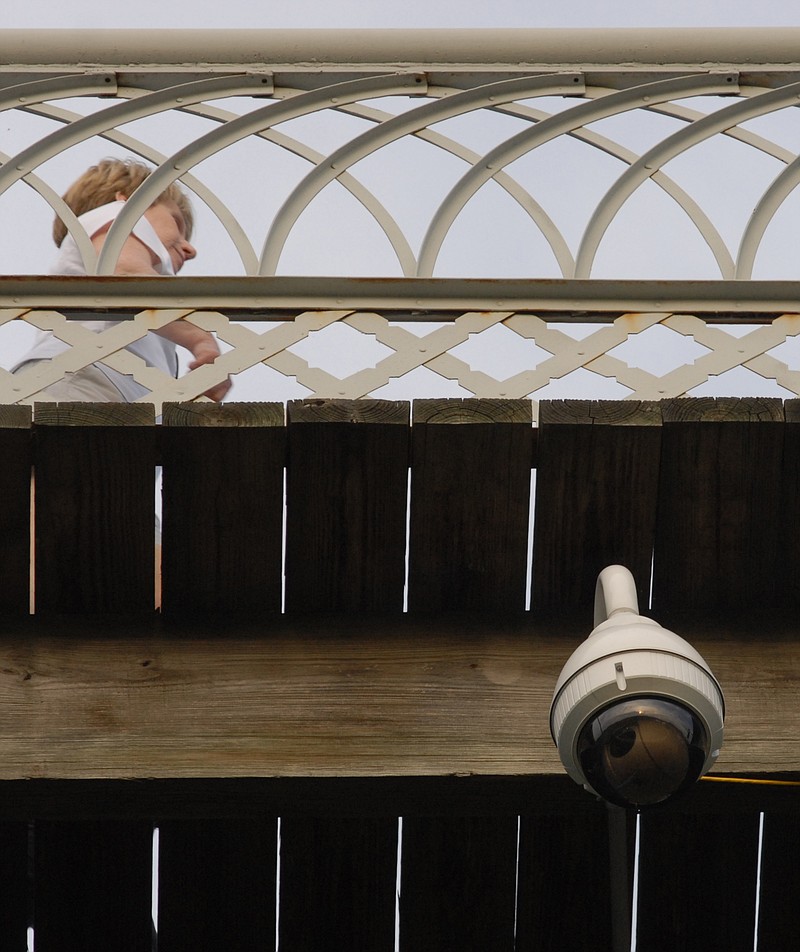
x=92, y=886
x=788, y=594
x=338, y=884
x=562, y=860
x=223, y=508
x=470, y=501
x=339, y=701
x=596, y=492
x=95, y=507
x=458, y=884
x=346, y=487
x=718, y=534
x=217, y=884
x=697, y=877
x=15, y=520
x=780, y=880
x=16, y=895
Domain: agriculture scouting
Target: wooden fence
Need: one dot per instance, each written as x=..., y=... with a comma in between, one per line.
x=275, y=748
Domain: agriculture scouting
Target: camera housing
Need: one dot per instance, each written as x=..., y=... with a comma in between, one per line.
x=637, y=715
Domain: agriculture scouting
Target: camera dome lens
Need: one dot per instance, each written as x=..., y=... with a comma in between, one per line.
x=642, y=750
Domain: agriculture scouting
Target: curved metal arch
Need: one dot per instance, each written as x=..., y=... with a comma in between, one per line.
x=237, y=129
x=64, y=212
x=518, y=192
x=360, y=192
x=529, y=139
x=59, y=87
x=390, y=131
x=139, y=108
x=235, y=231
x=667, y=149
x=703, y=223
x=778, y=191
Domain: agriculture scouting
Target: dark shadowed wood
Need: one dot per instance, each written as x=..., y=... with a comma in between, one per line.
x=15, y=484
x=457, y=889
x=223, y=507
x=780, y=880
x=563, y=860
x=697, y=881
x=15, y=887
x=596, y=486
x=93, y=886
x=346, y=488
x=95, y=507
x=789, y=543
x=338, y=884
x=347, y=481
x=719, y=515
x=470, y=501
x=217, y=885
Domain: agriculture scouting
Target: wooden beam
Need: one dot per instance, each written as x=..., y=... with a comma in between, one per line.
x=339, y=697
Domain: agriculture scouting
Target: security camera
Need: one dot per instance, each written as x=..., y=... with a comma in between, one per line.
x=637, y=715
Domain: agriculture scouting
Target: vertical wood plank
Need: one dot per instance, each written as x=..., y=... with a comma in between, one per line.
x=563, y=860
x=347, y=482
x=719, y=513
x=457, y=891
x=789, y=543
x=697, y=881
x=15, y=482
x=780, y=881
x=470, y=501
x=338, y=884
x=95, y=507
x=222, y=507
x=15, y=894
x=93, y=886
x=217, y=885
x=596, y=492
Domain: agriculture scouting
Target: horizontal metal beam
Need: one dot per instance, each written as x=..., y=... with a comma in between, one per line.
x=317, y=48
x=270, y=298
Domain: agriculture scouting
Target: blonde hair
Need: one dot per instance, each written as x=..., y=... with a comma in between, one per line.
x=101, y=184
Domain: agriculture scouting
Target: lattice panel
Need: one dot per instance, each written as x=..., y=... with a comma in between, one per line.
x=770, y=352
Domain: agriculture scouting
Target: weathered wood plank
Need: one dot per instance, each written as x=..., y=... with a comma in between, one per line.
x=697, y=880
x=92, y=886
x=223, y=508
x=16, y=894
x=596, y=490
x=788, y=594
x=780, y=879
x=338, y=884
x=562, y=860
x=718, y=534
x=217, y=884
x=95, y=507
x=457, y=888
x=334, y=699
x=15, y=519
x=346, y=487
x=470, y=501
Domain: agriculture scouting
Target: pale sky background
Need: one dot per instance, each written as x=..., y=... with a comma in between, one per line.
x=409, y=14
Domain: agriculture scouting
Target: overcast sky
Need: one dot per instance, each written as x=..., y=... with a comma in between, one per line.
x=409, y=14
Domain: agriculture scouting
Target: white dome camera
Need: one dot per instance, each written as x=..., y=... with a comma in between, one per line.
x=637, y=715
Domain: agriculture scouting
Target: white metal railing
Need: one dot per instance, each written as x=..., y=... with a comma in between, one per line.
x=663, y=155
